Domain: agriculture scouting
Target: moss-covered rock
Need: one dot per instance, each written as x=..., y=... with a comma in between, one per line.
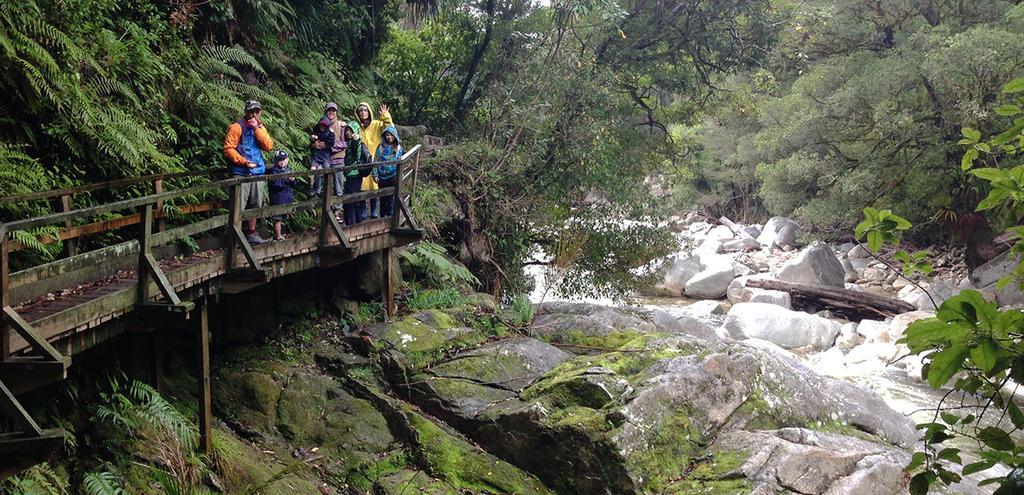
x=314, y=411
x=248, y=400
x=424, y=337
x=245, y=467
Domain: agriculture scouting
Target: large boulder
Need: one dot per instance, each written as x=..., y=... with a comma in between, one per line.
x=798, y=460
x=778, y=232
x=741, y=244
x=816, y=265
x=637, y=418
x=986, y=276
x=788, y=329
x=712, y=282
x=938, y=291
x=738, y=291
x=680, y=272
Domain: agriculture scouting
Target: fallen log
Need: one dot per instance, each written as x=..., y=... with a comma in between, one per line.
x=850, y=304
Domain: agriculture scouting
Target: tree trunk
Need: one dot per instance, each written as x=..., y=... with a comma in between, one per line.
x=850, y=304
x=462, y=104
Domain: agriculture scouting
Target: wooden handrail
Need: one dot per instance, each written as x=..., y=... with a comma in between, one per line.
x=128, y=181
x=55, y=218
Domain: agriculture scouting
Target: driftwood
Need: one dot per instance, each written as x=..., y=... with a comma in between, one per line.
x=850, y=304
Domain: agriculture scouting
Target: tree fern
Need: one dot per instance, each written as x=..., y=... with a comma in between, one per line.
x=431, y=259
x=102, y=483
x=40, y=479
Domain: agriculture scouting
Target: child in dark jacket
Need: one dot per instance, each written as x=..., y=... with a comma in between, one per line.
x=387, y=175
x=355, y=155
x=280, y=190
x=320, y=144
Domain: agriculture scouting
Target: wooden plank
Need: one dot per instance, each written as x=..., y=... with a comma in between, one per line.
x=205, y=414
x=21, y=451
x=95, y=186
x=26, y=374
x=397, y=198
x=250, y=255
x=128, y=204
x=145, y=251
x=17, y=413
x=158, y=187
x=34, y=339
x=269, y=211
x=70, y=247
x=5, y=267
x=189, y=230
x=113, y=224
x=234, y=222
x=161, y=280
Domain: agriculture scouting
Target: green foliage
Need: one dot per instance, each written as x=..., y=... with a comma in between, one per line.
x=914, y=262
x=102, y=483
x=432, y=262
x=40, y=479
x=880, y=227
x=975, y=344
x=444, y=298
x=858, y=103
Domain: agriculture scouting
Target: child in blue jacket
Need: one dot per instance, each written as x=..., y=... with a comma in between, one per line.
x=280, y=190
x=387, y=175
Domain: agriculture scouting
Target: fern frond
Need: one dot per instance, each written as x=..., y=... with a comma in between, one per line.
x=102, y=483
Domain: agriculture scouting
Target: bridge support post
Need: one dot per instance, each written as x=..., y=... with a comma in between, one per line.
x=5, y=294
x=388, y=291
x=205, y=415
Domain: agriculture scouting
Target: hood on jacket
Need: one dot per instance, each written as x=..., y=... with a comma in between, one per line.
x=368, y=107
x=390, y=130
x=354, y=125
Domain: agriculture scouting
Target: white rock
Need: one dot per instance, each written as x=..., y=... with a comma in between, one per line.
x=855, y=287
x=778, y=232
x=939, y=291
x=738, y=292
x=873, y=274
x=705, y=309
x=776, y=297
x=899, y=324
x=710, y=283
x=788, y=329
x=986, y=276
x=848, y=337
x=816, y=265
x=859, y=264
x=850, y=273
x=858, y=252
x=742, y=244
x=874, y=330
x=679, y=273
x=709, y=246
x=872, y=354
x=721, y=233
x=830, y=363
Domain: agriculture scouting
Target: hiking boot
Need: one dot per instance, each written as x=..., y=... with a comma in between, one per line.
x=255, y=239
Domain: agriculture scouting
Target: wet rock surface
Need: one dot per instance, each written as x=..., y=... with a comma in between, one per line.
x=638, y=407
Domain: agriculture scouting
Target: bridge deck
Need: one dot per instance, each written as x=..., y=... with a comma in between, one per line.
x=51, y=312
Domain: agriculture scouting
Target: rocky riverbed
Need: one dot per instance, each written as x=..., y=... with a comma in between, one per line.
x=712, y=387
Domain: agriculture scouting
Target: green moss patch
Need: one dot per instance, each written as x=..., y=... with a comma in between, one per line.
x=459, y=463
x=426, y=336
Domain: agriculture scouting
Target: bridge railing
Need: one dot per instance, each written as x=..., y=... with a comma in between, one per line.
x=28, y=284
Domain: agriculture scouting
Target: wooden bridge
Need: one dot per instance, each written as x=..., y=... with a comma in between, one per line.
x=53, y=311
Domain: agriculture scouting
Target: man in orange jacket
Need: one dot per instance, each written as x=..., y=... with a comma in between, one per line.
x=244, y=144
